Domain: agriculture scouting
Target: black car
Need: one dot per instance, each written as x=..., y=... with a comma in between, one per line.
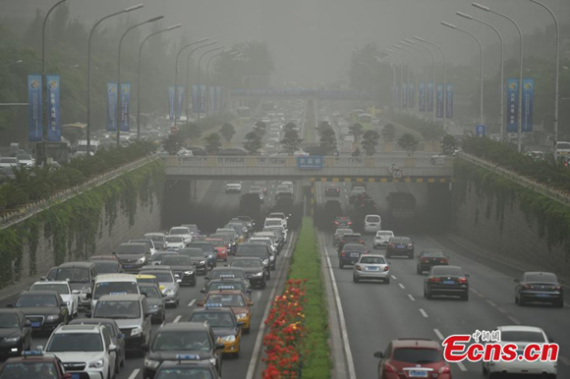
x=446, y=280
x=182, y=268
x=209, y=250
x=400, y=246
x=45, y=309
x=350, y=254
x=229, y=284
x=540, y=287
x=155, y=301
x=187, y=366
x=254, y=270
x=332, y=190
x=15, y=333
x=257, y=250
x=133, y=255
x=429, y=258
x=350, y=238
x=227, y=273
x=197, y=257
x=186, y=338
x=107, y=267
x=224, y=323
x=158, y=256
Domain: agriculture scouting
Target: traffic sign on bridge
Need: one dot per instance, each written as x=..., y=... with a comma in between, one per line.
x=310, y=163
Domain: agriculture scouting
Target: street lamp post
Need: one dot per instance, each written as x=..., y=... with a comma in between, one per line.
x=91, y=33
x=521, y=57
x=188, y=72
x=199, y=65
x=427, y=75
x=408, y=71
x=119, y=89
x=232, y=54
x=412, y=45
x=139, y=74
x=382, y=60
x=481, y=117
x=399, y=94
x=502, y=91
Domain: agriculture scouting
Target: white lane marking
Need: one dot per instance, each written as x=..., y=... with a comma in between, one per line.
x=502, y=310
x=340, y=312
x=134, y=373
x=192, y=302
x=177, y=319
x=411, y=297
x=515, y=320
x=163, y=323
x=461, y=366
x=393, y=277
x=565, y=360
x=423, y=313
x=401, y=286
x=491, y=303
x=438, y=334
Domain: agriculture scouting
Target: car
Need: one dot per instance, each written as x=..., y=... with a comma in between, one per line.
x=194, y=230
x=171, y=286
x=197, y=258
x=350, y=254
x=80, y=276
x=412, y=358
x=446, y=280
x=114, y=284
x=371, y=267
x=157, y=258
x=132, y=256
x=400, y=246
x=254, y=270
x=233, y=187
x=69, y=296
x=149, y=279
x=274, y=222
x=280, y=235
x=182, y=268
x=34, y=364
x=429, y=258
x=268, y=241
x=342, y=222
x=258, y=250
x=172, y=340
x=148, y=241
x=349, y=238
x=155, y=301
x=175, y=242
x=117, y=337
x=221, y=247
x=44, y=309
x=15, y=333
x=181, y=231
x=381, y=238
x=355, y=192
x=372, y=223
x=210, y=252
x=272, y=236
x=224, y=323
x=227, y=273
x=246, y=219
x=521, y=336
x=281, y=216
x=106, y=266
x=228, y=284
x=332, y=190
x=8, y=162
x=187, y=366
x=236, y=300
x=159, y=240
x=130, y=312
x=86, y=348
x=239, y=226
x=228, y=239
x=26, y=160
x=539, y=287
x=337, y=236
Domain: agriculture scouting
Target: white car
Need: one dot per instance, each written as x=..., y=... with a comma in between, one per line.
x=372, y=223
x=69, y=296
x=381, y=238
x=281, y=216
x=521, y=336
x=174, y=243
x=233, y=187
x=181, y=231
x=371, y=267
x=7, y=162
x=26, y=160
x=87, y=348
x=288, y=184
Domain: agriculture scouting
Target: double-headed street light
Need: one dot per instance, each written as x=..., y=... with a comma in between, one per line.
x=396, y=46
x=188, y=66
x=415, y=43
x=412, y=45
x=399, y=95
x=139, y=73
x=385, y=61
x=199, y=66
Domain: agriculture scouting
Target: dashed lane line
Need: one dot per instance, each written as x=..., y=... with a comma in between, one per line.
x=461, y=366
x=491, y=303
x=565, y=360
x=394, y=277
x=192, y=302
x=438, y=334
x=515, y=320
x=134, y=373
x=401, y=286
x=424, y=313
x=502, y=310
x=411, y=297
x=177, y=319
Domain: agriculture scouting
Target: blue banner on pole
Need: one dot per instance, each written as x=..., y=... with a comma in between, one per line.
x=125, y=99
x=35, y=110
x=111, y=107
x=218, y=99
x=449, y=101
x=404, y=95
x=54, y=126
x=480, y=130
x=411, y=95
x=430, y=97
x=203, y=94
x=527, y=105
x=422, y=96
x=439, y=101
x=171, y=103
x=180, y=102
x=512, y=105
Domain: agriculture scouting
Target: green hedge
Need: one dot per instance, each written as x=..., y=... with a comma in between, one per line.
x=430, y=131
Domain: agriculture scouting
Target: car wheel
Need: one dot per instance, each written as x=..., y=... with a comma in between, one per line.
x=340, y=265
x=419, y=270
x=263, y=284
x=355, y=279
x=465, y=296
x=427, y=295
x=387, y=280
x=559, y=303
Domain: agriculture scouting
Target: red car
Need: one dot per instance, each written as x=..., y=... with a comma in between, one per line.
x=412, y=358
x=221, y=248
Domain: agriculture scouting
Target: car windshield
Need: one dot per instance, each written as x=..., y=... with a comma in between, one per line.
x=373, y=260
x=117, y=309
x=33, y=301
x=384, y=234
x=155, y=237
x=446, y=270
x=542, y=278
x=73, y=274
x=8, y=160
x=372, y=219
x=157, y=257
x=217, y=242
x=226, y=299
x=185, y=373
x=18, y=370
x=174, y=239
x=263, y=241
x=182, y=341
x=75, y=342
x=417, y=355
x=163, y=277
x=103, y=267
x=130, y=249
x=24, y=157
x=61, y=289
x=521, y=336
x=401, y=240
x=273, y=223
x=145, y=241
x=192, y=253
x=215, y=319
x=247, y=263
x=115, y=288
x=205, y=246
x=151, y=292
x=216, y=286
x=256, y=250
x=9, y=320
x=178, y=260
x=179, y=231
x=432, y=253
x=563, y=145
x=342, y=231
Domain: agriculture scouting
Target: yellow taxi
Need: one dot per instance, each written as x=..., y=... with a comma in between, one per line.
x=141, y=278
x=236, y=300
x=224, y=323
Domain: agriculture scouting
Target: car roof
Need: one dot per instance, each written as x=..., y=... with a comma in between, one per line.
x=519, y=328
x=46, y=282
x=183, y=326
x=213, y=309
x=78, y=328
x=133, y=244
x=415, y=343
x=226, y=268
x=36, y=293
x=114, y=277
x=540, y=273
x=77, y=264
x=354, y=245
x=124, y=297
x=156, y=267
x=226, y=292
x=92, y=321
x=373, y=256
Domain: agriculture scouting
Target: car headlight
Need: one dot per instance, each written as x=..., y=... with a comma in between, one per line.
x=229, y=338
x=265, y=262
x=272, y=258
x=202, y=262
x=12, y=339
x=188, y=272
x=141, y=260
x=213, y=361
x=136, y=331
x=210, y=256
x=97, y=364
x=150, y=363
x=154, y=306
x=169, y=292
x=52, y=318
x=258, y=274
x=241, y=315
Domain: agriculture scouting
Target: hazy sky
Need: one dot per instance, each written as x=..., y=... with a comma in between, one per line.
x=312, y=39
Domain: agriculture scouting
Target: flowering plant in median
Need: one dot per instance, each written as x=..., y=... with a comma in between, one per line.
x=283, y=343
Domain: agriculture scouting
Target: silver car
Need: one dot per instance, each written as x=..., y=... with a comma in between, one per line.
x=171, y=289
x=374, y=267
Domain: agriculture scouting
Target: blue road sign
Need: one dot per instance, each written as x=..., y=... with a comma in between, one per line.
x=480, y=130
x=310, y=163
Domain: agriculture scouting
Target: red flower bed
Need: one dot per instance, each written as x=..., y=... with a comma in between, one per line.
x=283, y=343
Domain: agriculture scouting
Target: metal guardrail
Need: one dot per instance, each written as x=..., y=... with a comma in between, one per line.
x=560, y=196
x=32, y=209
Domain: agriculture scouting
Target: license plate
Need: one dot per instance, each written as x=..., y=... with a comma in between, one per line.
x=128, y=266
x=36, y=324
x=417, y=374
x=448, y=282
x=372, y=268
x=75, y=376
x=355, y=254
x=400, y=246
x=543, y=295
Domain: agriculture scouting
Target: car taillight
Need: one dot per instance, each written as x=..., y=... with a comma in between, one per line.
x=386, y=268
x=389, y=368
x=342, y=254
x=557, y=288
x=337, y=223
x=358, y=267
x=350, y=223
x=444, y=370
x=525, y=286
x=410, y=245
x=425, y=260
x=443, y=261
x=361, y=242
x=433, y=279
x=462, y=280
x=391, y=245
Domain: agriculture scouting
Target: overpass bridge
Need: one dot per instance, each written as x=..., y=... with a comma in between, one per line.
x=287, y=93
x=381, y=168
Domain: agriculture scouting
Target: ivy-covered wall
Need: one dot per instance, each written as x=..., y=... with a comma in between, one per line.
x=511, y=220
x=94, y=222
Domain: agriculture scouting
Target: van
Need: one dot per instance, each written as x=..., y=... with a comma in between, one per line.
x=82, y=147
x=562, y=149
x=113, y=284
x=372, y=223
x=81, y=277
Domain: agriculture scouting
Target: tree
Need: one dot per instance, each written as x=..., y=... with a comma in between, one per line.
x=291, y=141
x=389, y=132
x=409, y=143
x=328, y=141
x=252, y=143
x=260, y=128
x=356, y=130
x=190, y=130
x=227, y=131
x=323, y=125
x=289, y=126
x=448, y=144
x=172, y=144
x=213, y=143
x=370, y=141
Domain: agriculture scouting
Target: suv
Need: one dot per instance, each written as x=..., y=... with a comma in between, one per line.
x=257, y=250
x=350, y=238
x=87, y=348
x=81, y=277
x=381, y=238
x=350, y=254
x=412, y=358
x=172, y=340
x=400, y=246
x=133, y=256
